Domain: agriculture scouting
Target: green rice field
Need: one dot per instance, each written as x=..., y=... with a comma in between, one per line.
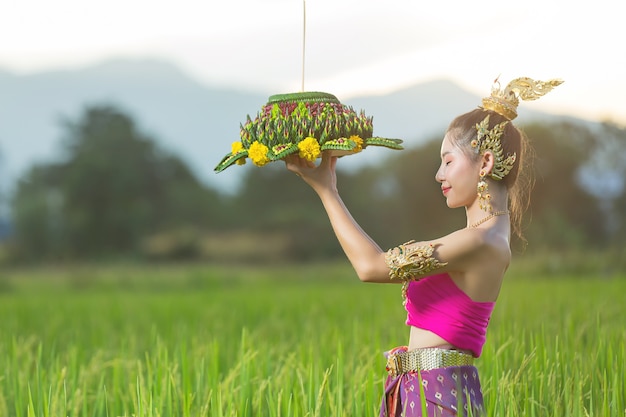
x=297, y=340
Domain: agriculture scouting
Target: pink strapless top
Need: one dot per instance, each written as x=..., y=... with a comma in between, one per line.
x=435, y=303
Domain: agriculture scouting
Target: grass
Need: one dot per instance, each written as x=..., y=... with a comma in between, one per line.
x=192, y=340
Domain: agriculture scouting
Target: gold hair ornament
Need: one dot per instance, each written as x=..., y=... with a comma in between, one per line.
x=505, y=102
x=489, y=140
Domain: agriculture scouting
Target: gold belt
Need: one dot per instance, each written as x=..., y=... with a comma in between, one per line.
x=426, y=359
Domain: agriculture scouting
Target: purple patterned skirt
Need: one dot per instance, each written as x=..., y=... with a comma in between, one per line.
x=448, y=392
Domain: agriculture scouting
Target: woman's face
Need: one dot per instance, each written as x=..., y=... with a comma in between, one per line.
x=458, y=174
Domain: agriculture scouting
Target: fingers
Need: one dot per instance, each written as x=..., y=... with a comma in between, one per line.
x=294, y=161
x=303, y=167
x=294, y=164
x=328, y=160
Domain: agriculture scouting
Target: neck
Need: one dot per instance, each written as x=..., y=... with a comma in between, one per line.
x=499, y=205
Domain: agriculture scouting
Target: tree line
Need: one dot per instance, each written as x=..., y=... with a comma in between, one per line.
x=117, y=194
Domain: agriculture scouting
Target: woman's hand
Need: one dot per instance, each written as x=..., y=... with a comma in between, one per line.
x=320, y=178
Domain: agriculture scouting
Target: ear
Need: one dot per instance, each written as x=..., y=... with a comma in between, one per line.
x=487, y=162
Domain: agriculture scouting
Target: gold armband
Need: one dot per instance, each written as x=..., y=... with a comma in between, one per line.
x=405, y=262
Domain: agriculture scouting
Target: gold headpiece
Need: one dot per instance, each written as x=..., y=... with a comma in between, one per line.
x=505, y=102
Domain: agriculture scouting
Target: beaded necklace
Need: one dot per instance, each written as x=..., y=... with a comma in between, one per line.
x=490, y=216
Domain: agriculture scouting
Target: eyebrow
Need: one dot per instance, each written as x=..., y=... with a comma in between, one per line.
x=445, y=153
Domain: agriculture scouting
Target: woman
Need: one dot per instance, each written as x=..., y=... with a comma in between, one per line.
x=450, y=284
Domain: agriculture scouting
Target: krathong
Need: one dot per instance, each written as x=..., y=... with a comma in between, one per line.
x=306, y=123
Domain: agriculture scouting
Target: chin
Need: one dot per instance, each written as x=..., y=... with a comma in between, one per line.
x=452, y=204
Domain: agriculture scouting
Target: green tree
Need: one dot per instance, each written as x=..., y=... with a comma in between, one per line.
x=563, y=212
x=398, y=199
x=604, y=176
x=36, y=213
x=113, y=190
x=394, y=200
x=274, y=201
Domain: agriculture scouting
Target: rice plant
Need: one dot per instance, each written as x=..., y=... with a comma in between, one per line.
x=299, y=340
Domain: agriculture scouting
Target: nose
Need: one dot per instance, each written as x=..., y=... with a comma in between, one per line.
x=439, y=175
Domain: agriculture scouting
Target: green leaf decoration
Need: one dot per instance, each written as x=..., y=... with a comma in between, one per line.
x=230, y=159
x=280, y=151
x=300, y=111
x=275, y=111
x=340, y=144
x=388, y=143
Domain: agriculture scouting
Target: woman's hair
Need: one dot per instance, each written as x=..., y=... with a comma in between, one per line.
x=519, y=180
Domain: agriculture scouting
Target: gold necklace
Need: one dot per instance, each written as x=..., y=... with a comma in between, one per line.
x=491, y=216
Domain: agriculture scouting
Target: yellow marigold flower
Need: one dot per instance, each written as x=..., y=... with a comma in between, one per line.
x=309, y=149
x=258, y=153
x=359, y=143
x=236, y=147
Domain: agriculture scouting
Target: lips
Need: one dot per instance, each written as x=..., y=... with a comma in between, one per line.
x=445, y=190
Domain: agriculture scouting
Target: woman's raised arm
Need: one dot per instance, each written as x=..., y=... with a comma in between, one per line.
x=366, y=257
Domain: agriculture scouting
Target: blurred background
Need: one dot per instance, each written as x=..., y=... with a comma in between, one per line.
x=114, y=114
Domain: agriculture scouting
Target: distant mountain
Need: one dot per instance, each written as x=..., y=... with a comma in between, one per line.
x=196, y=121
x=188, y=118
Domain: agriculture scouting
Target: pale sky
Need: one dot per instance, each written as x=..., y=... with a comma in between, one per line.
x=352, y=47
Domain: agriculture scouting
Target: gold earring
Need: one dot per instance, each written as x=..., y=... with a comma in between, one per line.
x=484, y=198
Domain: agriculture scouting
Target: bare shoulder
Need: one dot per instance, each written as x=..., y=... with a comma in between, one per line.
x=470, y=243
x=479, y=259
x=474, y=250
